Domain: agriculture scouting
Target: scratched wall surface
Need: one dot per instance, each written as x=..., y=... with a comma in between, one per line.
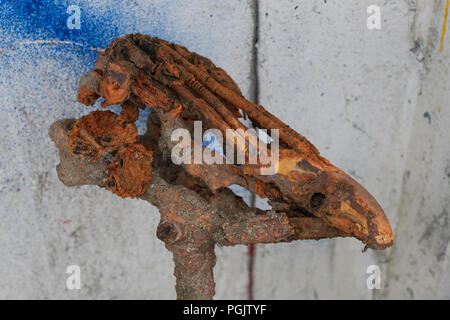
x=375, y=102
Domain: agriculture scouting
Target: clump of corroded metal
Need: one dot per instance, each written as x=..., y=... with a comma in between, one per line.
x=100, y=131
x=105, y=133
x=131, y=171
x=310, y=197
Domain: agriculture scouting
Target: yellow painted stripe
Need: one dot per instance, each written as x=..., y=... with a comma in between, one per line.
x=444, y=27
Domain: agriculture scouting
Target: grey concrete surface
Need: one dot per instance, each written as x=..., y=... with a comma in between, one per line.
x=374, y=102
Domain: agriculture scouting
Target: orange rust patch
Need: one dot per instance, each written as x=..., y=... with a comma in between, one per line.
x=104, y=132
x=114, y=87
x=131, y=172
x=129, y=112
x=98, y=131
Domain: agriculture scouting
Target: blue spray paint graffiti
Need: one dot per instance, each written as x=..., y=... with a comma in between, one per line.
x=40, y=19
x=32, y=29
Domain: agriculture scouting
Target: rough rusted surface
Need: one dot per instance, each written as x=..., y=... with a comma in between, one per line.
x=105, y=133
x=131, y=171
x=98, y=132
x=310, y=198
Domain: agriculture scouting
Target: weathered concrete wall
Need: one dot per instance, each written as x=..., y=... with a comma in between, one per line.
x=360, y=96
x=375, y=102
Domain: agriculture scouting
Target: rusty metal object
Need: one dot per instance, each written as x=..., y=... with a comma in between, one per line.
x=103, y=132
x=310, y=198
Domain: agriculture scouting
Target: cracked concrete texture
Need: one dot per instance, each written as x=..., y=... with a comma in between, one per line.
x=374, y=102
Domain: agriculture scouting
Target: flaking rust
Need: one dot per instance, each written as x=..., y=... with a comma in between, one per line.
x=106, y=134
x=310, y=197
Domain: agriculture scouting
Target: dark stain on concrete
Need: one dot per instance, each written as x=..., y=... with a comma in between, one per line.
x=426, y=115
x=440, y=226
